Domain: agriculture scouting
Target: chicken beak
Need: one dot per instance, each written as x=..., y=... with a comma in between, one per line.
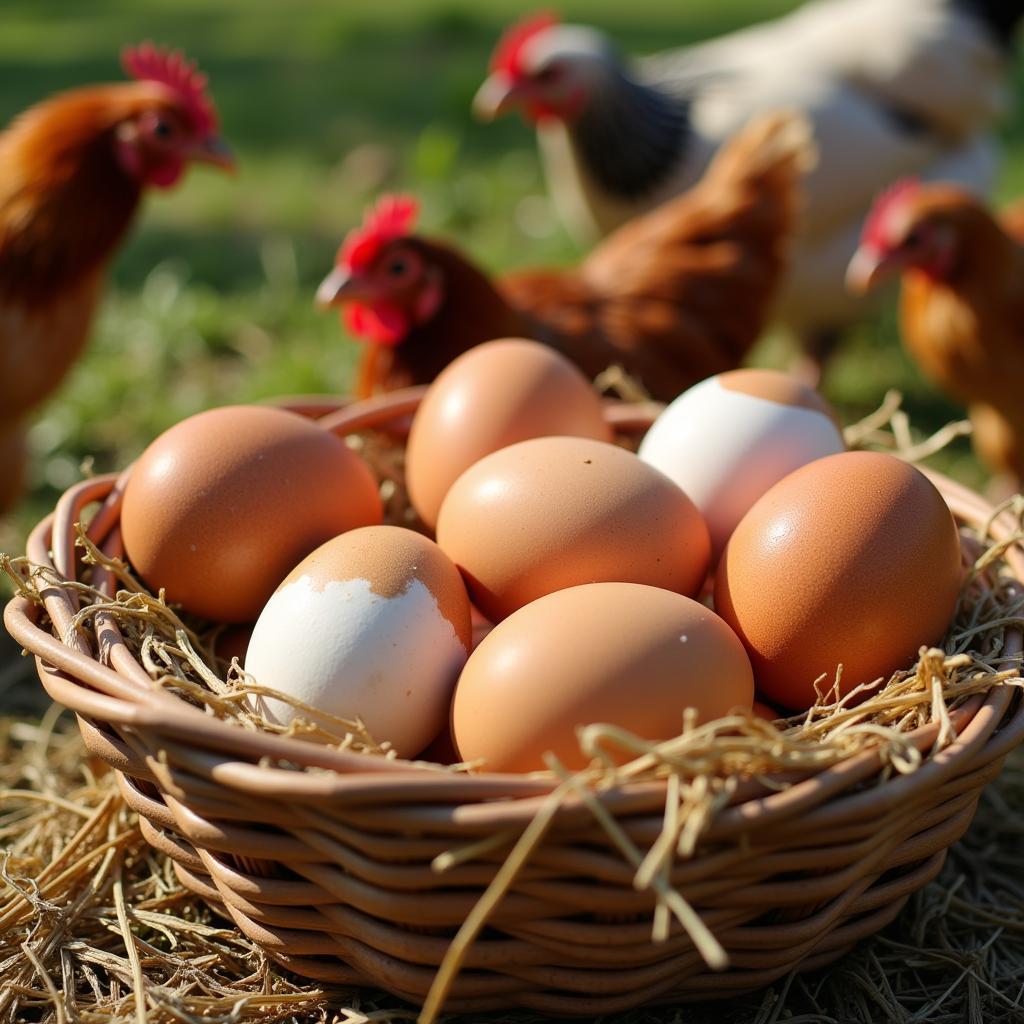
x=214, y=150
x=866, y=269
x=497, y=96
x=340, y=286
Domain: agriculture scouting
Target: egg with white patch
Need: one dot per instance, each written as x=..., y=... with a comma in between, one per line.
x=731, y=437
x=375, y=625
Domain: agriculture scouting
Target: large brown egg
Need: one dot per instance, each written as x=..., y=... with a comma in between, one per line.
x=220, y=507
x=492, y=396
x=555, y=512
x=852, y=559
x=619, y=653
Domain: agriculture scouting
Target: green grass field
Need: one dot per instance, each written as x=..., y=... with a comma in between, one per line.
x=326, y=103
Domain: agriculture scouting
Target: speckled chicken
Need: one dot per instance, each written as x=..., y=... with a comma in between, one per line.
x=891, y=87
x=672, y=297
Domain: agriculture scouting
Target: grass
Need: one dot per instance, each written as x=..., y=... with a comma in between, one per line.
x=327, y=104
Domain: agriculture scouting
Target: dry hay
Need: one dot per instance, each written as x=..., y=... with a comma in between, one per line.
x=78, y=877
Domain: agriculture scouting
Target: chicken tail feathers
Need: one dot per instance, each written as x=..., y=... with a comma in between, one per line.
x=780, y=142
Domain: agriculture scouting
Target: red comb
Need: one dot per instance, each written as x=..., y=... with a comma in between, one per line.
x=149, y=63
x=874, y=233
x=507, y=54
x=392, y=217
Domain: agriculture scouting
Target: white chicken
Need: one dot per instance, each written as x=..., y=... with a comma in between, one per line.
x=891, y=87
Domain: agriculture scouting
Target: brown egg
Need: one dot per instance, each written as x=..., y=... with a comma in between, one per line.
x=221, y=506
x=492, y=396
x=621, y=653
x=555, y=512
x=853, y=558
x=762, y=710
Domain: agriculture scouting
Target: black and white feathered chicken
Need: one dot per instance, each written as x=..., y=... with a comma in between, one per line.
x=891, y=87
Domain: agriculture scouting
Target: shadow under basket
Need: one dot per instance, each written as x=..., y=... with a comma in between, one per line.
x=326, y=858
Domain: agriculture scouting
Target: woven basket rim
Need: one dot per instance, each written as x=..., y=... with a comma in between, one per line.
x=73, y=675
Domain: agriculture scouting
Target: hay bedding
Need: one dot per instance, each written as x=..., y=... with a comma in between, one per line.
x=77, y=877
x=94, y=926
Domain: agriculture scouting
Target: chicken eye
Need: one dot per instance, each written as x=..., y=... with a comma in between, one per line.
x=913, y=239
x=550, y=74
x=398, y=267
x=163, y=129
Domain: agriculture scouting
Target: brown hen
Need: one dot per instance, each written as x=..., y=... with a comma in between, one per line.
x=72, y=171
x=673, y=296
x=962, y=303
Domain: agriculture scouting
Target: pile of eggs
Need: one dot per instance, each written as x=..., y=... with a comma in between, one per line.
x=741, y=552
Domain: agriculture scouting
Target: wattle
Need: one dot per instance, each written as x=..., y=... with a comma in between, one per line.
x=165, y=175
x=380, y=323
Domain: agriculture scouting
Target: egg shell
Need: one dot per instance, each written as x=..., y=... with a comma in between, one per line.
x=374, y=624
x=222, y=505
x=555, y=512
x=762, y=710
x=481, y=626
x=620, y=653
x=492, y=396
x=855, y=559
x=729, y=438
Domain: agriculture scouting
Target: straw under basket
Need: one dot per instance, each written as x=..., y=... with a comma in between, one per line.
x=325, y=858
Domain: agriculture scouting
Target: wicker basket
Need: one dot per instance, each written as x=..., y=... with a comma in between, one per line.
x=330, y=870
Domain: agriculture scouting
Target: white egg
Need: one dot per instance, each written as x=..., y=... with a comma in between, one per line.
x=729, y=438
x=375, y=625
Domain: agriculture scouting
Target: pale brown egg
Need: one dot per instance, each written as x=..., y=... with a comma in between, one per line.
x=555, y=512
x=852, y=559
x=729, y=438
x=220, y=507
x=492, y=396
x=618, y=653
x=375, y=625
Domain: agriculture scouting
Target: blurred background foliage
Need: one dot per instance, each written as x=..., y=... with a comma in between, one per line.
x=327, y=103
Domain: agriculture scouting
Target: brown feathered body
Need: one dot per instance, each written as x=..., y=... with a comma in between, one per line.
x=473, y=311
x=72, y=170
x=966, y=330
x=65, y=204
x=673, y=296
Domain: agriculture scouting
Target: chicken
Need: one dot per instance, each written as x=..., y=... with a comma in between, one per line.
x=962, y=302
x=892, y=88
x=673, y=296
x=72, y=171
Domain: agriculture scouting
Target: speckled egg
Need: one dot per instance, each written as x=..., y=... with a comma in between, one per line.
x=619, y=653
x=222, y=505
x=852, y=559
x=729, y=438
x=555, y=512
x=492, y=396
x=374, y=624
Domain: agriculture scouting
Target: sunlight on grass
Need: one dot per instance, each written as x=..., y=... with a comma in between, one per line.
x=328, y=104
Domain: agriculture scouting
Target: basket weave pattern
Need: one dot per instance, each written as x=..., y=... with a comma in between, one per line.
x=325, y=857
